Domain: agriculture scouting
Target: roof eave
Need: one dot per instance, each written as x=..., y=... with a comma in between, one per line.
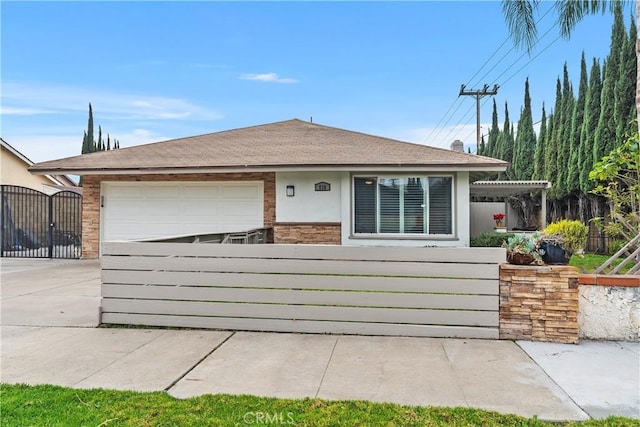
x=279, y=168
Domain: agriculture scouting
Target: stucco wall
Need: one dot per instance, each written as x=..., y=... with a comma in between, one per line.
x=13, y=171
x=609, y=312
x=308, y=205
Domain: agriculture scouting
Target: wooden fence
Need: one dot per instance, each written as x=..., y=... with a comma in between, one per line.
x=436, y=292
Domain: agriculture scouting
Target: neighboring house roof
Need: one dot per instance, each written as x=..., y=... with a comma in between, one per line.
x=56, y=180
x=291, y=144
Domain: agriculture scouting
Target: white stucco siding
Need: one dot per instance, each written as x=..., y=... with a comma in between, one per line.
x=461, y=232
x=309, y=205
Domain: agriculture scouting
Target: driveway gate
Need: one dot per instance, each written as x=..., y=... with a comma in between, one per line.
x=37, y=225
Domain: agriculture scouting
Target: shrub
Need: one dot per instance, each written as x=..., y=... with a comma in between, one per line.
x=574, y=234
x=490, y=239
x=615, y=246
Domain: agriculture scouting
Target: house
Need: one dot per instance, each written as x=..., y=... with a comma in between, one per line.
x=14, y=171
x=310, y=183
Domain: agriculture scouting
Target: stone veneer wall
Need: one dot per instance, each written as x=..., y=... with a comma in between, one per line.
x=539, y=303
x=91, y=199
x=326, y=233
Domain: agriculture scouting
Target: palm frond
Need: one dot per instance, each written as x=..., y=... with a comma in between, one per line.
x=570, y=12
x=519, y=15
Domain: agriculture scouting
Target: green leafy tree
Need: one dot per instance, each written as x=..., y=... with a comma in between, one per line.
x=617, y=177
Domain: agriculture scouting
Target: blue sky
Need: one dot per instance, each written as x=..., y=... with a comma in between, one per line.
x=162, y=70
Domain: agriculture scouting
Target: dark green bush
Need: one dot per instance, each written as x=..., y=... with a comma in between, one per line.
x=490, y=239
x=615, y=246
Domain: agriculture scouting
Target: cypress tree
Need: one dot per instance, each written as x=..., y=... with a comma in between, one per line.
x=99, y=146
x=108, y=143
x=605, y=136
x=564, y=134
x=538, y=162
x=91, y=143
x=587, y=136
x=525, y=142
x=494, y=133
x=577, y=120
x=506, y=142
x=625, y=103
x=85, y=145
x=481, y=148
x=551, y=149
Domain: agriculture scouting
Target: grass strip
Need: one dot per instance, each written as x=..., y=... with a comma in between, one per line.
x=47, y=405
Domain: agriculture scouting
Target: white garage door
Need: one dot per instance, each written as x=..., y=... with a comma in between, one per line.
x=159, y=209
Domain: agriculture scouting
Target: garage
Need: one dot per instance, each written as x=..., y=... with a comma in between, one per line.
x=144, y=210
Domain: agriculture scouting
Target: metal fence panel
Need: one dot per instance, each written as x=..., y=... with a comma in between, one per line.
x=36, y=225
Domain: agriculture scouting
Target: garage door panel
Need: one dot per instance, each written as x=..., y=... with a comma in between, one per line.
x=205, y=207
x=125, y=192
x=162, y=192
x=202, y=192
x=241, y=209
x=239, y=192
x=120, y=209
x=163, y=208
x=155, y=210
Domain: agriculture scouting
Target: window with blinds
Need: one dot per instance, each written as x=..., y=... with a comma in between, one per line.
x=404, y=205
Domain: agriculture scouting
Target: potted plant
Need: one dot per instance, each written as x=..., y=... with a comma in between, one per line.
x=498, y=217
x=562, y=239
x=523, y=249
x=551, y=247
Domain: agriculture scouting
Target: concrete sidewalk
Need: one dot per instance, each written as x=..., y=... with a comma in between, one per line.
x=49, y=310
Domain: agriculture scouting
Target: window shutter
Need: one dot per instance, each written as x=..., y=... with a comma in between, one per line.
x=414, y=206
x=389, y=205
x=365, y=205
x=440, y=215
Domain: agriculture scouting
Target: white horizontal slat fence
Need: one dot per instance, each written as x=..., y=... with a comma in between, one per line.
x=436, y=292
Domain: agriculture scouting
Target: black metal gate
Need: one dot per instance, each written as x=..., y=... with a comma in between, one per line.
x=37, y=225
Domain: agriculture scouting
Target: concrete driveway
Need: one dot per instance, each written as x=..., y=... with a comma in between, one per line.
x=50, y=310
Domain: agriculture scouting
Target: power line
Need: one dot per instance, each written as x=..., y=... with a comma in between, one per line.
x=436, y=131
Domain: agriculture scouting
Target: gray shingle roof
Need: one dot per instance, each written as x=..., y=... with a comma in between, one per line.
x=292, y=143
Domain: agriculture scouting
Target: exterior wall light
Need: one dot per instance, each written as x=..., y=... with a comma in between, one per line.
x=291, y=191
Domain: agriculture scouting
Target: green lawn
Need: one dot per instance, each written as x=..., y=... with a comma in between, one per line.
x=590, y=262
x=45, y=405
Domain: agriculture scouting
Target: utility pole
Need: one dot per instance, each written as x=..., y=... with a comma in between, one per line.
x=479, y=94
